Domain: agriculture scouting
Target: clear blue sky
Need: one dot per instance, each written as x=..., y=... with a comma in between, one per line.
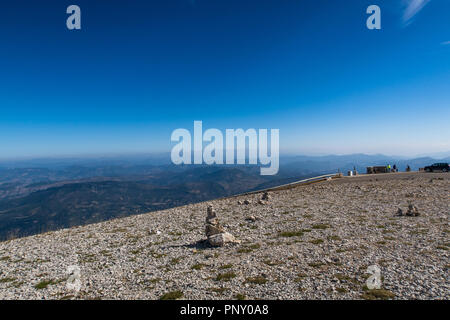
x=140, y=69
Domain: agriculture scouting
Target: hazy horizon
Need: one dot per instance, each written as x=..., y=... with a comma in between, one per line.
x=166, y=154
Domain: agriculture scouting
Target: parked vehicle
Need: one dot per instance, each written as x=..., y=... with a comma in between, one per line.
x=444, y=167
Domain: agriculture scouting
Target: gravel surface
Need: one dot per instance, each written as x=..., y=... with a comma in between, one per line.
x=306, y=242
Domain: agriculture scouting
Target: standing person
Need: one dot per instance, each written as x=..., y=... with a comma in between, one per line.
x=388, y=168
x=408, y=168
x=395, y=168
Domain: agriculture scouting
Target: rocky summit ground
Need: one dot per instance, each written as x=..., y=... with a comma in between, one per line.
x=308, y=242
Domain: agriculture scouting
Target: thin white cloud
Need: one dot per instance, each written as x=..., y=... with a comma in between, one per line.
x=445, y=43
x=413, y=7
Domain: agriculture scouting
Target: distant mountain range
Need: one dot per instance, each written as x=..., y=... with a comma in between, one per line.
x=48, y=194
x=343, y=163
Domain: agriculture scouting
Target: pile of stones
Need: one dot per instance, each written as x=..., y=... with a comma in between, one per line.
x=411, y=212
x=265, y=198
x=216, y=234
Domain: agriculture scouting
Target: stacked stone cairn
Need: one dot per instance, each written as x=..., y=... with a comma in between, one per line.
x=412, y=211
x=216, y=234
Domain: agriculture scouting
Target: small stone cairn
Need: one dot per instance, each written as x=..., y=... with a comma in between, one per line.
x=217, y=236
x=265, y=198
x=412, y=211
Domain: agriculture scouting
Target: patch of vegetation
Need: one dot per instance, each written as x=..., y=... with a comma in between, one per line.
x=335, y=238
x=383, y=262
x=116, y=230
x=154, y=280
x=256, y=280
x=419, y=232
x=316, y=241
x=198, y=266
x=289, y=234
x=249, y=248
x=133, y=238
x=17, y=284
x=137, y=251
x=377, y=294
x=344, y=277
x=106, y=253
x=172, y=295
x=218, y=290
x=300, y=277
x=320, y=226
x=226, y=266
x=240, y=296
x=86, y=258
x=341, y=290
x=175, y=260
x=225, y=276
x=44, y=284
x=316, y=264
x=156, y=255
x=7, y=279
